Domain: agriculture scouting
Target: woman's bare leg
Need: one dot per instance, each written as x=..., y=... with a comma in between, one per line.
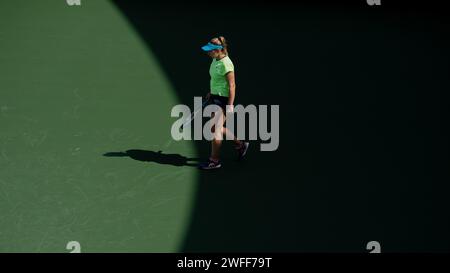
x=216, y=143
x=215, y=149
x=230, y=135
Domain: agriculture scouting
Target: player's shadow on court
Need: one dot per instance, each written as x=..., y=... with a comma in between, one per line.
x=157, y=157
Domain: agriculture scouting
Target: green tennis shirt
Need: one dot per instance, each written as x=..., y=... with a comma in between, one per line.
x=218, y=70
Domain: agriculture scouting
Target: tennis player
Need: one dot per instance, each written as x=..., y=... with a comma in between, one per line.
x=222, y=93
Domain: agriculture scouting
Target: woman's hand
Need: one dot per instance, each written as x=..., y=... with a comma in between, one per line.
x=230, y=108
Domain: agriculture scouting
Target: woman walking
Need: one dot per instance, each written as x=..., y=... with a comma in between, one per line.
x=222, y=93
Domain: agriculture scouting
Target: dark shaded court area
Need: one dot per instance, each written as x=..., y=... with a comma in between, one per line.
x=363, y=98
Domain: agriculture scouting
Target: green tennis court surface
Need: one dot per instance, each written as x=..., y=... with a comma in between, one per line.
x=76, y=83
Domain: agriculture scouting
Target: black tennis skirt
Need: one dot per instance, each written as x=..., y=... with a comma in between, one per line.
x=219, y=101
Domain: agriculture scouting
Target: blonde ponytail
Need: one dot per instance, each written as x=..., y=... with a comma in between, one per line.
x=221, y=41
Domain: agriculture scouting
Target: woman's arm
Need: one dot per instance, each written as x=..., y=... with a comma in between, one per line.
x=232, y=84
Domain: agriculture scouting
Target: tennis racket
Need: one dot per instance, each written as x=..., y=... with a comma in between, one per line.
x=195, y=113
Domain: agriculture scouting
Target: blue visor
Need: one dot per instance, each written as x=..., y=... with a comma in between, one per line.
x=211, y=46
